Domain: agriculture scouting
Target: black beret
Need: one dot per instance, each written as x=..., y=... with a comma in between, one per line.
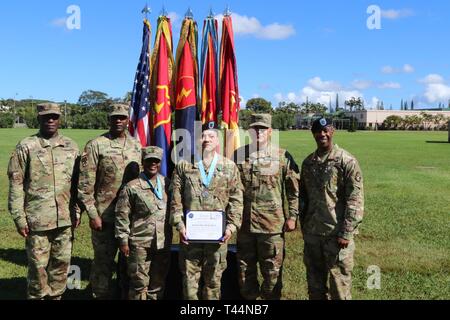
x=320, y=124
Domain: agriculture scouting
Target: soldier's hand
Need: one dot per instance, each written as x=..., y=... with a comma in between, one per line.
x=24, y=232
x=76, y=223
x=226, y=236
x=183, y=237
x=125, y=249
x=290, y=225
x=96, y=224
x=343, y=244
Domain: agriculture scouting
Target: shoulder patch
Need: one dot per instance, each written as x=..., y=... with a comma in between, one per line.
x=358, y=177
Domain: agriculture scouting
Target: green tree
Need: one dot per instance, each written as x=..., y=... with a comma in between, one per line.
x=354, y=103
x=6, y=119
x=97, y=99
x=392, y=122
x=282, y=120
x=245, y=118
x=259, y=105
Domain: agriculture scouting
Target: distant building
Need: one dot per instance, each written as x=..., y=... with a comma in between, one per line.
x=4, y=108
x=375, y=118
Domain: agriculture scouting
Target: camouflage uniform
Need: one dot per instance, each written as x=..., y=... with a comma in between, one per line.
x=42, y=196
x=225, y=194
x=332, y=206
x=269, y=176
x=106, y=165
x=142, y=222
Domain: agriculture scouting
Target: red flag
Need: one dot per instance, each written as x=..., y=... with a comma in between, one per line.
x=140, y=112
x=162, y=89
x=186, y=82
x=229, y=89
x=209, y=71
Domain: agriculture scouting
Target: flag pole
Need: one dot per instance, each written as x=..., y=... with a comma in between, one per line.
x=163, y=12
x=227, y=11
x=146, y=11
x=211, y=13
x=189, y=14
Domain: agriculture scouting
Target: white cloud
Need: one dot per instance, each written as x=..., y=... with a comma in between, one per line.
x=437, y=92
x=244, y=25
x=59, y=22
x=390, y=85
x=366, y=84
x=174, y=17
x=396, y=14
x=432, y=78
x=256, y=95
x=388, y=70
x=318, y=91
x=407, y=68
x=317, y=84
x=362, y=84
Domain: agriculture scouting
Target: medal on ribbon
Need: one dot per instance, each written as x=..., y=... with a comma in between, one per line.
x=206, y=179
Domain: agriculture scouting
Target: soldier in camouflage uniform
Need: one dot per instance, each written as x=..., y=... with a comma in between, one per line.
x=331, y=209
x=223, y=193
x=108, y=162
x=269, y=175
x=143, y=229
x=43, y=174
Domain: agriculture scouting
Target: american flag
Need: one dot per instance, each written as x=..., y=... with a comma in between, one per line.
x=140, y=115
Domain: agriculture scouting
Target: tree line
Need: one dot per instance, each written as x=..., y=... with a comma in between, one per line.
x=424, y=121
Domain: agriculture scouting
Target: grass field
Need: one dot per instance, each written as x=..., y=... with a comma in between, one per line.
x=405, y=230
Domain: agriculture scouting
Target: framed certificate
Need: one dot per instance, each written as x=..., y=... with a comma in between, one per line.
x=205, y=226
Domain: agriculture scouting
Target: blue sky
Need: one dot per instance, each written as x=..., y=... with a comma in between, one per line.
x=286, y=50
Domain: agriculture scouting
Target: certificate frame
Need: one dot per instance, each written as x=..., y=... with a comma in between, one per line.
x=195, y=220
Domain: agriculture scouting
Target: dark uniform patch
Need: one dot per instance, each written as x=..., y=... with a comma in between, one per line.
x=84, y=160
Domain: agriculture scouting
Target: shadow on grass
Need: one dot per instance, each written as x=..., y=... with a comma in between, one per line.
x=13, y=289
x=19, y=257
x=439, y=142
x=16, y=256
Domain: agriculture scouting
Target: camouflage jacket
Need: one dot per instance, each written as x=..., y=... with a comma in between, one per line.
x=43, y=176
x=331, y=195
x=268, y=177
x=225, y=193
x=106, y=165
x=141, y=217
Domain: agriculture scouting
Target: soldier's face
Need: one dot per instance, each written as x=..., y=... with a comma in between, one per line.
x=118, y=124
x=260, y=134
x=324, y=137
x=210, y=140
x=151, y=166
x=49, y=123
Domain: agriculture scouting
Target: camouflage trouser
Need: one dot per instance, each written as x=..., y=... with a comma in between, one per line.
x=323, y=257
x=206, y=261
x=105, y=250
x=268, y=251
x=49, y=255
x=147, y=266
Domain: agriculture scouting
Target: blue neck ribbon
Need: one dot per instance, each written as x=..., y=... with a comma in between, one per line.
x=158, y=190
x=206, y=180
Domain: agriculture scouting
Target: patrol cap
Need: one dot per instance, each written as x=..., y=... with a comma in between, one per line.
x=320, y=124
x=119, y=110
x=152, y=153
x=210, y=126
x=261, y=120
x=48, y=108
